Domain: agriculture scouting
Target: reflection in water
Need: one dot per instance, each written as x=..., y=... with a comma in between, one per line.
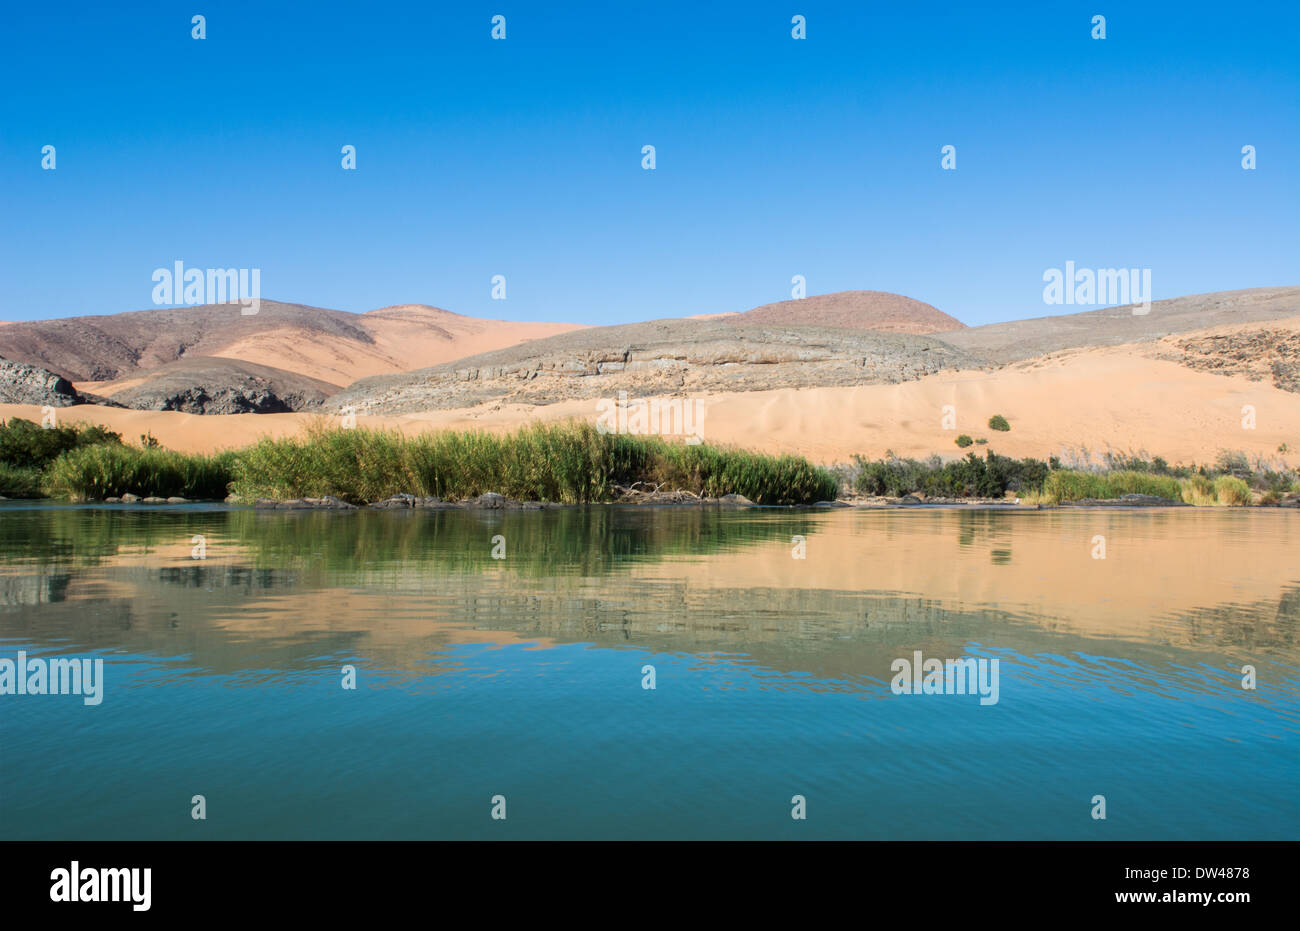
x=1120, y=676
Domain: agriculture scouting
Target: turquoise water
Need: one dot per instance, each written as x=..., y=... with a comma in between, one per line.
x=522, y=677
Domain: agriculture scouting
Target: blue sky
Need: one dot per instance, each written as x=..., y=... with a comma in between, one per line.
x=522, y=157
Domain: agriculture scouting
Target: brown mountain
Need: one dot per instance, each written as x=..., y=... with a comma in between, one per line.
x=856, y=310
x=331, y=346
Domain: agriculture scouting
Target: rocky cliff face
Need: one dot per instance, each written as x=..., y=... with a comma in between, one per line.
x=661, y=358
x=220, y=399
x=21, y=383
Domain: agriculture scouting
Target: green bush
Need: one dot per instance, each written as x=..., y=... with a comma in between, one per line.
x=998, y=422
x=990, y=477
x=28, y=445
x=963, y=441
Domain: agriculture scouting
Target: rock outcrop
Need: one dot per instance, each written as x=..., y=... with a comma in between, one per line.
x=21, y=383
x=209, y=385
x=1271, y=355
x=665, y=357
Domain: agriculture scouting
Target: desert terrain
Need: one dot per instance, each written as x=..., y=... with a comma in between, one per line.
x=1181, y=382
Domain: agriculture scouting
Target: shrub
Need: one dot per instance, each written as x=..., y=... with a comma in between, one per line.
x=998, y=422
x=28, y=445
x=990, y=477
x=1235, y=464
x=1134, y=462
x=963, y=441
x=894, y=477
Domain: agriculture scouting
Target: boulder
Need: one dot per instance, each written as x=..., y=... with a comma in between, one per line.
x=401, y=500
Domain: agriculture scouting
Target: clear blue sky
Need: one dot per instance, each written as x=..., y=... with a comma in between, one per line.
x=523, y=157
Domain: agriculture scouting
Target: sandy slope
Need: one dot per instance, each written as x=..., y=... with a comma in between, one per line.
x=1117, y=397
x=405, y=338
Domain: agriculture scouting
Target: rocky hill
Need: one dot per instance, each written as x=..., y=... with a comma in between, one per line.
x=1115, y=326
x=660, y=357
x=331, y=346
x=210, y=385
x=857, y=310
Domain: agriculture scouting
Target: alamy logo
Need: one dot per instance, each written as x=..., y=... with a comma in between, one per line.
x=1099, y=287
x=88, y=884
x=946, y=677
x=179, y=285
x=656, y=416
x=60, y=676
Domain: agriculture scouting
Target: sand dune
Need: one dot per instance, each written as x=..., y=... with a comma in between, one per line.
x=404, y=338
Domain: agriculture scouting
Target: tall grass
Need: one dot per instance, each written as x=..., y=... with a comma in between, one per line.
x=568, y=463
x=19, y=481
x=1071, y=485
x=1231, y=491
x=112, y=470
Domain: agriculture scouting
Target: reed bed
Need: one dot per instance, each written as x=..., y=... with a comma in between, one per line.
x=92, y=473
x=569, y=463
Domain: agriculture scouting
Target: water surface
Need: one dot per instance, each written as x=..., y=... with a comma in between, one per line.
x=523, y=677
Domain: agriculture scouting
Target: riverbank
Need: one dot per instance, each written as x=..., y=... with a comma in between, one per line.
x=575, y=463
x=570, y=463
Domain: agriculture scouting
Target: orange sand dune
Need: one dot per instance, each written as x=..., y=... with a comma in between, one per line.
x=401, y=339
x=405, y=338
